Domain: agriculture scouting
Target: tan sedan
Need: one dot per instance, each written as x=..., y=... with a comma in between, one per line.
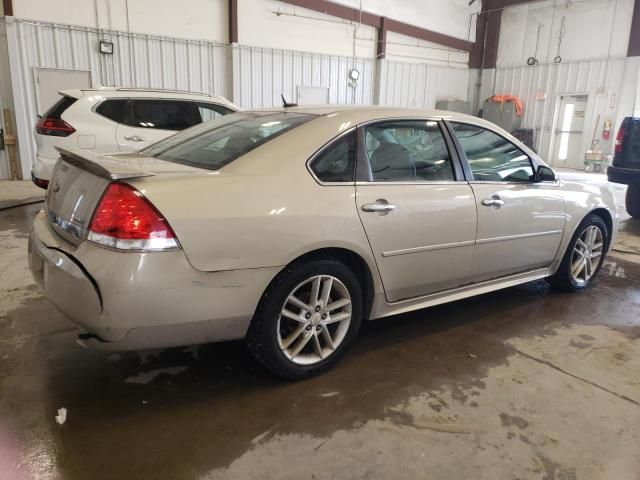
x=288, y=227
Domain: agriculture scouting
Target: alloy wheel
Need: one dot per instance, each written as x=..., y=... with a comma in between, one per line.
x=314, y=319
x=587, y=253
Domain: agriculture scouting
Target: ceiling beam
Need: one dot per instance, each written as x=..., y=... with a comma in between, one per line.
x=375, y=21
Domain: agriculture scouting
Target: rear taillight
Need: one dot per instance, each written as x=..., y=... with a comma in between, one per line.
x=619, y=137
x=126, y=220
x=54, y=126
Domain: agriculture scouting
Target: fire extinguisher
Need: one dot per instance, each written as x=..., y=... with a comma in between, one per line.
x=606, y=131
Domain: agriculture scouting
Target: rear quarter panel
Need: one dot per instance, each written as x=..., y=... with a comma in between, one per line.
x=262, y=210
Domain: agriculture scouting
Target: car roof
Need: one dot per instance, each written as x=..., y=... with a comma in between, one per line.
x=364, y=113
x=114, y=92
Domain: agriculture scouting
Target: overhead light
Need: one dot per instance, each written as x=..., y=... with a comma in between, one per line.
x=106, y=47
x=354, y=74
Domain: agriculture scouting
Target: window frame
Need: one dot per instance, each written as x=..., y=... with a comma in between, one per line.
x=535, y=162
x=364, y=175
x=204, y=104
x=325, y=146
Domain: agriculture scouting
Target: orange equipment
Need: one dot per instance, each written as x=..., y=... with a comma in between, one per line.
x=510, y=98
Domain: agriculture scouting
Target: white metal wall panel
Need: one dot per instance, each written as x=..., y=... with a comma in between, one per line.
x=540, y=86
x=421, y=85
x=145, y=61
x=261, y=75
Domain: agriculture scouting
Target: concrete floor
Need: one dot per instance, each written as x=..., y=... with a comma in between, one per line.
x=522, y=383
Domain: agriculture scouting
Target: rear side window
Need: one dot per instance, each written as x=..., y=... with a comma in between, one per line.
x=336, y=163
x=58, y=108
x=211, y=111
x=217, y=143
x=113, y=109
x=491, y=157
x=162, y=114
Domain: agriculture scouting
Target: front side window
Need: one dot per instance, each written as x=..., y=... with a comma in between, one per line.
x=407, y=151
x=217, y=143
x=163, y=114
x=491, y=157
x=337, y=162
x=211, y=111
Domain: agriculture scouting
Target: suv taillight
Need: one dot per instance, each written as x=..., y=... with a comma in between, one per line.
x=124, y=219
x=54, y=126
x=619, y=137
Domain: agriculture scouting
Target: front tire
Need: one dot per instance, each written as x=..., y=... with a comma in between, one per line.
x=307, y=318
x=584, y=256
x=632, y=201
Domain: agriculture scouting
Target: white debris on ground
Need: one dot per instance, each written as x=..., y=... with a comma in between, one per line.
x=61, y=418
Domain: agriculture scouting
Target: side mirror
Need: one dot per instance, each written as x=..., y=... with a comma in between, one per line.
x=545, y=174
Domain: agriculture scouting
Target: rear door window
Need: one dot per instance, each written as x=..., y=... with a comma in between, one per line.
x=408, y=151
x=162, y=114
x=114, y=109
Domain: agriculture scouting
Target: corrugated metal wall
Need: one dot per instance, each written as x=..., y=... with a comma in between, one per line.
x=250, y=76
x=262, y=74
x=421, y=85
x=540, y=87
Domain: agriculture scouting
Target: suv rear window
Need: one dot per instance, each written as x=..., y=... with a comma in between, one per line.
x=217, y=143
x=58, y=108
x=113, y=109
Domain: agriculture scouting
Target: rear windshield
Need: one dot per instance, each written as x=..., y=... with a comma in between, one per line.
x=214, y=144
x=58, y=108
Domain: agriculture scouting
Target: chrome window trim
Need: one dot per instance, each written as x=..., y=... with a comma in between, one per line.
x=435, y=182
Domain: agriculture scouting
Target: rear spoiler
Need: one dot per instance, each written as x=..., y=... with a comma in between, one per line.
x=100, y=165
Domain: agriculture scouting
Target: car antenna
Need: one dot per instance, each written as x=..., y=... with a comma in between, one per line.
x=286, y=104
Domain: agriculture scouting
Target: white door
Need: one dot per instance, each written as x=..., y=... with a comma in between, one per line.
x=152, y=120
x=49, y=81
x=419, y=220
x=569, y=130
x=520, y=222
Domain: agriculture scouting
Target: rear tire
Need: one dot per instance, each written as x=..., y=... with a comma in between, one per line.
x=306, y=318
x=632, y=201
x=584, y=256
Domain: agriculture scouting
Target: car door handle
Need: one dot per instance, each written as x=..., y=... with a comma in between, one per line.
x=494, y=201
x=134, y=138
x=380, y=206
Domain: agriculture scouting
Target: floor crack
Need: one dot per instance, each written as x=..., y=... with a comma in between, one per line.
x=593, y=384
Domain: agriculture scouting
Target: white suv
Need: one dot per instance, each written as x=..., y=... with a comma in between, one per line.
x=109, y=120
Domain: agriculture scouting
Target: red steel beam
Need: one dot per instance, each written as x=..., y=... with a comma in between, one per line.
x=372, y=20
x=8, y=8
x=634, y=36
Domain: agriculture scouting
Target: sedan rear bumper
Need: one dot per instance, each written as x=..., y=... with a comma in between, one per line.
x=626, y=176
x=130, y=300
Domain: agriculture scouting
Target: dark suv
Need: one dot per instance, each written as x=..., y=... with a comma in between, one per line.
x=626, y=163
